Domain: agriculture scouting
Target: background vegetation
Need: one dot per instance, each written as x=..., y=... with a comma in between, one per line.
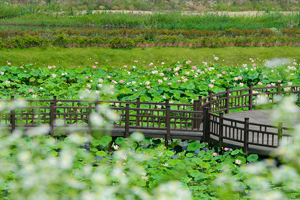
x=181, y=5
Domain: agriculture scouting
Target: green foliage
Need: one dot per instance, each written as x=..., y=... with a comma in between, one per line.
x=179, y=82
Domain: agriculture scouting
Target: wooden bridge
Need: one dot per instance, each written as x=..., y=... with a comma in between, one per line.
x=202, y=120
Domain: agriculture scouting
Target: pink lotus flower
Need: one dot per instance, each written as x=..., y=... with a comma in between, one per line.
x=215, y=154
x=148, y=87
x=86, y=77
x=121, y=81
x=8, y=63
x=225, y=149
x=279, y=81
x=123, y=174
x=189, y=61
x=169, y=69
x=135, y=90
x=178, y=80
x=269, y=85
x=136, y=61
x=31, y=90
x=176, y=74
x=259, y=83
x=124, y=163
x=253, y=64
x=223, y=72
x=250, y=58
x=54, y=66
x=194, y=67
x=96, y=63
x=170, y=83
x=125, y=65
x=239, y=77
x=94, y=66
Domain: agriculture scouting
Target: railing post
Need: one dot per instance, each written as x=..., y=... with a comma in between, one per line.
x=127, y=120
x=246, y=135
x=278, y=88
x=54, y=104
x=168, y=121
x=206, y=124
x=210, y=98
x=200, y=103
x=227, y=100
x=250, y=96
x=167, y=102
x=89, y=114
x=138, y=112
x=221, y=130
x=195, y=108
x=13, y=116
x=199, y=115
x=279, y=133
x=51, y=118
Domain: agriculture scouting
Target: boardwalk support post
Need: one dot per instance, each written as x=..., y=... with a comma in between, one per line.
x=206, y=125
x=279, y=133
x=13, y=117
x=250, y=96
x=246, y=135
x=127, y=120
x=221, y=131
x=227, y=100
x=138, y=103
x=52, y=114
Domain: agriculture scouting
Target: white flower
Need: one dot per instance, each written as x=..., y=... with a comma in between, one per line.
x=166, y=165
x=290, y=83
x=7, y=82
x=241, y=84
x=97, y=91
x=210, y=85
x=244, y=65
x=216, y=58
x=41, y=88
x=2, y=73
x=158, y=106
x=99, y=85
x=133, y=82
x=165, y=78
x=88, y=85
x=116, y=147
x=100, y=80
x=212, y=81
x=147, y=82
x=162, y=63
x=161, y=74
x=111, y=86
x=238, y=162
x=54, y=75
x=154, y=72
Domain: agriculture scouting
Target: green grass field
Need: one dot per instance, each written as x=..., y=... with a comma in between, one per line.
x=82, y=57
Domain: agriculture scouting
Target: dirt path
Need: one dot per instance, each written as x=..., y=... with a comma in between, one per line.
x=243, y=13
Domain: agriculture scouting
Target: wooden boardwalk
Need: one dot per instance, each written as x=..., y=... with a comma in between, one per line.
x=202, y=120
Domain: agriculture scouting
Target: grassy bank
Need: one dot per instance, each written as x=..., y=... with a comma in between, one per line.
x=75, y=57
x=184, y=5
x=169, y=20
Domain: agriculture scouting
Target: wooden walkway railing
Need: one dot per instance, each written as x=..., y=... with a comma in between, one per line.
x=201, y=120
